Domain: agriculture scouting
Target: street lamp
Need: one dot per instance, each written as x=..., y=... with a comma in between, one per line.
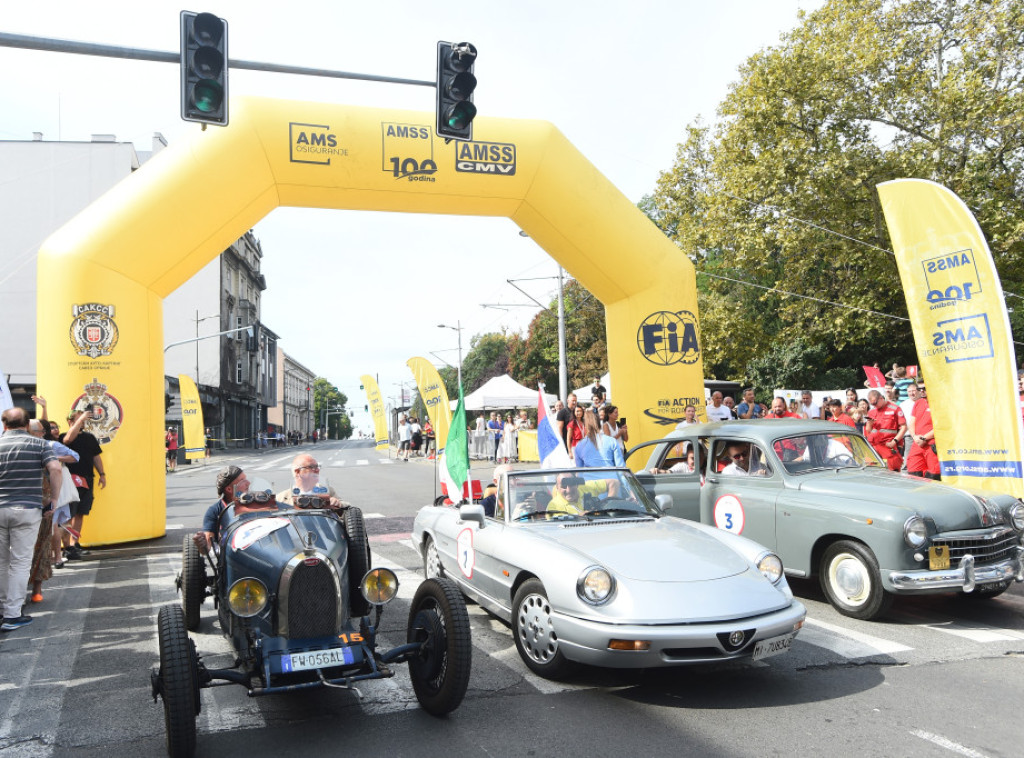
x=198, y=320
x=456, y=328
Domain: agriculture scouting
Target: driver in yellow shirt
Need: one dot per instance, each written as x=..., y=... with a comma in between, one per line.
x=569, y=491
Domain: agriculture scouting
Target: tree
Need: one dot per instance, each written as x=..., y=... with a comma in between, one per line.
x=861, y=92
x=328, y=397
x=487, y=358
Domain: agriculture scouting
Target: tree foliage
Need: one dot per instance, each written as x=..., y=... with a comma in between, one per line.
x=327, y=396
x=861, y=92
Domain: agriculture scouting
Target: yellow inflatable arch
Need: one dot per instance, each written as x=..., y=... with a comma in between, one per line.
x=100, y=328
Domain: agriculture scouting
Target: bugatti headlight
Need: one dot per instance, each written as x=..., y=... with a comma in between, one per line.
x=595, y=585
x=379, y=586
x=915, y=532
x=1017, y=516
x=770, y=566
x=247, y=597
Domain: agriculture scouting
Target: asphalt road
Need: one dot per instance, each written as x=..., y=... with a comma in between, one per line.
x=938, y=677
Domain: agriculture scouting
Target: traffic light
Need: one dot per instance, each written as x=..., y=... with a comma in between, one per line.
x=455, y=85
x=366, y=408
x=204, y=68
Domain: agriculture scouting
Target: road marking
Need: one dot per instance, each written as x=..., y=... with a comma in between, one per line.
x=847, y=642
x=172, y=527
x=373, y=515
x=937, y=739
x=362, y=462
x=970, y=630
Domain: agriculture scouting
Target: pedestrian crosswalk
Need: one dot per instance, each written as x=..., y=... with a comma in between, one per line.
x=109, y=607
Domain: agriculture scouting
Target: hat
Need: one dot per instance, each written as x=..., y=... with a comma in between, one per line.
x=226, y=477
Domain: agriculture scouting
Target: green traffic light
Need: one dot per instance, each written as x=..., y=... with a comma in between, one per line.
x=208, y=95
x=460, y=115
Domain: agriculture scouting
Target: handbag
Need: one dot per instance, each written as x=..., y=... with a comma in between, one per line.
x=68, y=491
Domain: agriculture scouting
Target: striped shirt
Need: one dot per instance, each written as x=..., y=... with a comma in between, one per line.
x=23, y=460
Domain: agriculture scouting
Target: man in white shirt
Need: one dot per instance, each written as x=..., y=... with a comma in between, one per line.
x=808, y=407
x=689, y=417
x=717, y=411
x=742, y=465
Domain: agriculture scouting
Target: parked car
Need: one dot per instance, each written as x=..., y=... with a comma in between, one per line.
x=826, y=503
x=585, y=568
x=296, y=593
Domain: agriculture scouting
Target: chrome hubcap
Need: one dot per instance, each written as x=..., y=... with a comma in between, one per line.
x=535, y=630
x=849, y=578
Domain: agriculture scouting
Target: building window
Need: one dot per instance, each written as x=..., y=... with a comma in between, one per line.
x=238, y=372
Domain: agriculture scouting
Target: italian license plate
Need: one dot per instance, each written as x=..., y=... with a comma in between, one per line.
x=773, y=646
x=317, y=659
x=938, y=557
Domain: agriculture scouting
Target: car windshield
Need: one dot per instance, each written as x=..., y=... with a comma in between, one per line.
x=577, y=495
x=826, y=450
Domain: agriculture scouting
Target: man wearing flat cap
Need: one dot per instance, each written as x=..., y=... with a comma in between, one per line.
x=231, y=482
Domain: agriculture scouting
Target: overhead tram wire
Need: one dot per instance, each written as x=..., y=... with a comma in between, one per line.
x=783, y=214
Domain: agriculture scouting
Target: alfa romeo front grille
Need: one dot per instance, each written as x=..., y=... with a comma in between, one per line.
x=992, y=547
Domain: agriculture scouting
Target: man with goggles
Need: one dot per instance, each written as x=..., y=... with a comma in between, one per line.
x=307, y=492
x=231, y=483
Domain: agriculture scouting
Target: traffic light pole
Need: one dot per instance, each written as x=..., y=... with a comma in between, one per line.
x=49, y=44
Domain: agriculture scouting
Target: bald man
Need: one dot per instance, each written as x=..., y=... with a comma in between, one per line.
x=306, y=473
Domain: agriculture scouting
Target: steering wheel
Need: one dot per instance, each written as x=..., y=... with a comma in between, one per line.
x=843, y=459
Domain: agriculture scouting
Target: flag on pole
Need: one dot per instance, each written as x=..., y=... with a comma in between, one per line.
x=6, y=401
x=454, y=468
x=549, y=443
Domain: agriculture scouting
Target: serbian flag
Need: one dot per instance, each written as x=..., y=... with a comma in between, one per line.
x=549, y=444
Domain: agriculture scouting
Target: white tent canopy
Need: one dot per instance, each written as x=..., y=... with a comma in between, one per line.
x=584, y=394
x=503, y=392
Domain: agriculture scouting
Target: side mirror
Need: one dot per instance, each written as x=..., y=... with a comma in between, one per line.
x=474, y=512
x=663, y=501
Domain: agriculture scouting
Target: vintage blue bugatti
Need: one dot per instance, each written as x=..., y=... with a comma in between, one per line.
x=296, y=593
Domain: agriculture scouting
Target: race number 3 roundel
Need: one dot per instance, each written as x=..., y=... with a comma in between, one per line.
x=729, y=514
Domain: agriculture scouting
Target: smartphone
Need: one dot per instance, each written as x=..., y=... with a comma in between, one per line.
x=622, y=420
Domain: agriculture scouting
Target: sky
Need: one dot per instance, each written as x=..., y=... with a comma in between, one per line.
x=620, y=80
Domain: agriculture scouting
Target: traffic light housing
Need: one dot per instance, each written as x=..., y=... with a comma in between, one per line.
x=204, y=68
x=455, y=85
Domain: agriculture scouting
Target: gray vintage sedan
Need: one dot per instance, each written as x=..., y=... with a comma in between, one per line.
x=585, y=568
x=817, y=494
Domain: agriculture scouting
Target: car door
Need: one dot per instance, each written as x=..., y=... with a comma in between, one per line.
x=683, y=487
x=741, y=504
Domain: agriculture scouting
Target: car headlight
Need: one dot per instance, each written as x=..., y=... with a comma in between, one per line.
x=1017, y=516
x=770, y=566
x=379, y=586
x=595, y=585
x=915, y=532
x=247, y=597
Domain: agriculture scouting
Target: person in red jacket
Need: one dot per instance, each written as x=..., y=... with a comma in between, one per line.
x=835, y=408
x=885, y=428
x=922, y=458
x=779, y=410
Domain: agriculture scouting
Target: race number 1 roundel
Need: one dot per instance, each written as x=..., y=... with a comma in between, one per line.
x=466, y=555
x=729, y=514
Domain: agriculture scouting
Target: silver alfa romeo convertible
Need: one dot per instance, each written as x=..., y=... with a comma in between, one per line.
x=585, y=568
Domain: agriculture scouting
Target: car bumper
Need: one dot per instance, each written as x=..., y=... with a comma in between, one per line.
x=966, y=576
x=670, y=645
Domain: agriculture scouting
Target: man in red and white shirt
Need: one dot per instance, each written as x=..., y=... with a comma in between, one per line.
x=885, y=428
x=922, y=458
x=838, y=415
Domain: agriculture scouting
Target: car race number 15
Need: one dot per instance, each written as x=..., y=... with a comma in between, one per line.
x=729, y=514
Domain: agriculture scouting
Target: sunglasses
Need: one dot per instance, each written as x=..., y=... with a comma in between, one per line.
x=307, y=468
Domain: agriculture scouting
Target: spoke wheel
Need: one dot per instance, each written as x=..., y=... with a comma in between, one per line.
x=438, y=619
x=536, y=639
x=358, y=560
x=432, y=568
x=179, y=681
x=852, y=582
x=193, y=582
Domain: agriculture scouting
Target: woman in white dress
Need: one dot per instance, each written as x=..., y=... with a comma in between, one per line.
x=509, y=448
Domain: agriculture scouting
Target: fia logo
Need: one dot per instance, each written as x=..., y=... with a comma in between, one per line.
x=668, y=337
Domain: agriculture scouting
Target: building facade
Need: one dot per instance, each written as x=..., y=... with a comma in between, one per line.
x=294, y=411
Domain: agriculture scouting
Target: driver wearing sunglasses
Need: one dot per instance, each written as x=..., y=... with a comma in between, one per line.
x=306, y=491
x=742, y=464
